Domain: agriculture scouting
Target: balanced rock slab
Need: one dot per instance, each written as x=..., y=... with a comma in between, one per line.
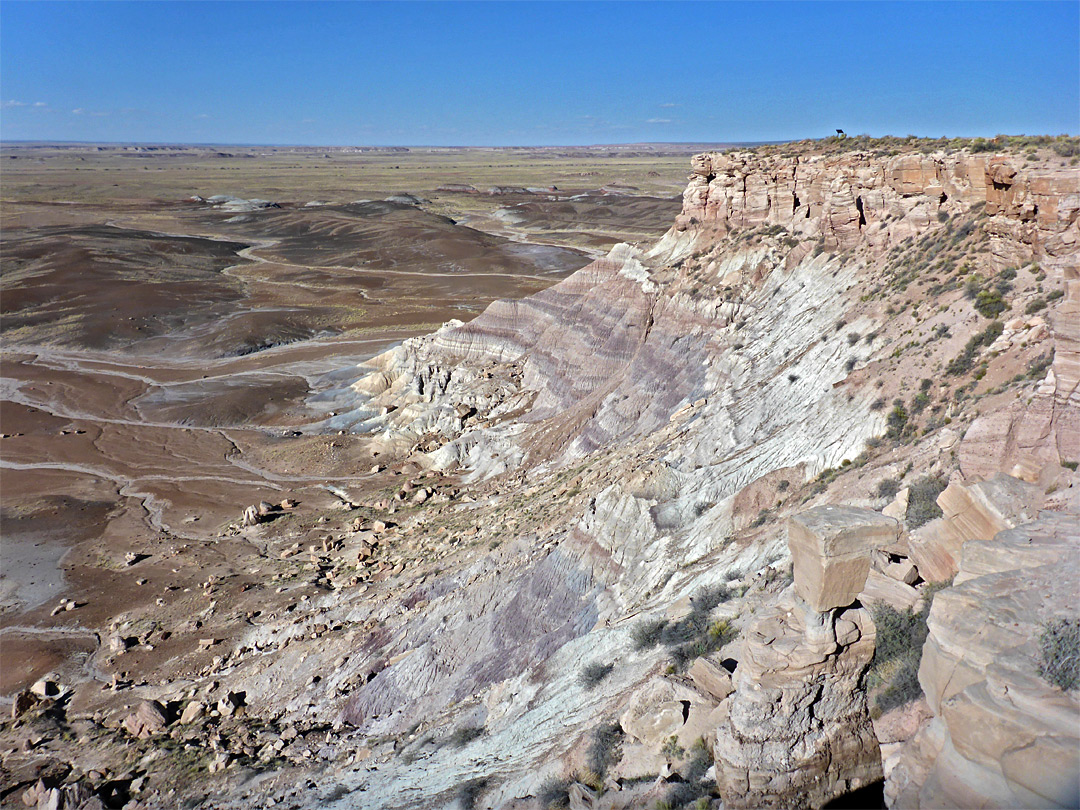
x=830, y=550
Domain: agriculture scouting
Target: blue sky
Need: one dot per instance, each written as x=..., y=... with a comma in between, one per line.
x=533, y=73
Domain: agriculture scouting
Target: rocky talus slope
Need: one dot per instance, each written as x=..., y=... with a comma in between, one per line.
x=606, y=575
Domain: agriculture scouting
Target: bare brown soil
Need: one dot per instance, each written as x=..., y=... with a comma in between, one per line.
x=161, y=354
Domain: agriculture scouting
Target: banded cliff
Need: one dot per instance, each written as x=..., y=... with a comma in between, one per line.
x=586, y=568
x=642, y=429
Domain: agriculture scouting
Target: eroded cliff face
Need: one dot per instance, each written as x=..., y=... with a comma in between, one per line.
x=852, y=199
x=646, y=422
x=588, y=463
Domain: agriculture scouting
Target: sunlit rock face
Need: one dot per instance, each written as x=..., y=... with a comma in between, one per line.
x=1002, y=735
x=799, y=731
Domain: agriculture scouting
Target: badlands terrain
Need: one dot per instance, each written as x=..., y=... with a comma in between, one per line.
x=531, y=478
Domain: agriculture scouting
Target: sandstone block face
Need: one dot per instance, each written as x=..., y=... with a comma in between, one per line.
x=1003, y=736
x=971, y=512
x=831, y=547
x=711, y=678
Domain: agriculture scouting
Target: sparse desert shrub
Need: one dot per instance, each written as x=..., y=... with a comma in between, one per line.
x=469, y=792
x=605, y=749
x=792, y=378
x=693, y=635
x=1059, y=648
x=897, y=420
x=646, y=634
x=554, y=794
x=852, y=361
x=898, y=650
x=464, y=735
x=966, y=359
x=671, y=748
x=1070, y=465
x=592, y=674
x=888, y=488
x=1035, y=305
x=1039, y=366
x=903, y=687
x=922, y=500
x=919, y=402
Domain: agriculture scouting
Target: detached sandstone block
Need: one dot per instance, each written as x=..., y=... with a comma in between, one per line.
x=831, y=548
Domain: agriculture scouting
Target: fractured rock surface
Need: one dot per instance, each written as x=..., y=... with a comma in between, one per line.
x=1002, y=736
x=799, y=731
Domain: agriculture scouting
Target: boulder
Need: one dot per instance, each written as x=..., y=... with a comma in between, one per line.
x=830, y=551
x=147, y=720
x=45, y=688
x=881, y=588
x=23, y=702
x=192, y=712
x=711, y=678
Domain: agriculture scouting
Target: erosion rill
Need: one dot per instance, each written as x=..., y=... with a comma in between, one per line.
x=576, y=536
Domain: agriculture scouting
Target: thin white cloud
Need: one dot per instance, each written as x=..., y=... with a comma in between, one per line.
x=93, y=113
x=40, y=104
x=658, y=121
x=14, y=103
x=201, y=115
x=669, y=104
x=78, y=111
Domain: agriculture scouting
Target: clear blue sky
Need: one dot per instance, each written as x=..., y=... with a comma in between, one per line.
x=534, y=73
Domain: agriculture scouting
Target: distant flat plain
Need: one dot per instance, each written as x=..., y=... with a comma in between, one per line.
x=160, y=351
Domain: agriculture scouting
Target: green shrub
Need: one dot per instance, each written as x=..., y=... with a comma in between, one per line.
x=990, y=304
x=592, y=674
x=922, y=500
x=897, y=420
x=671, y=748
x=1035, y=305
x=1059, y=647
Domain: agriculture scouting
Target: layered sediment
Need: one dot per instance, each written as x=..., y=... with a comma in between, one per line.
x=566, y=475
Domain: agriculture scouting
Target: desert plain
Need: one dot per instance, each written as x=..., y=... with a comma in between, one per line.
x=176, y=322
